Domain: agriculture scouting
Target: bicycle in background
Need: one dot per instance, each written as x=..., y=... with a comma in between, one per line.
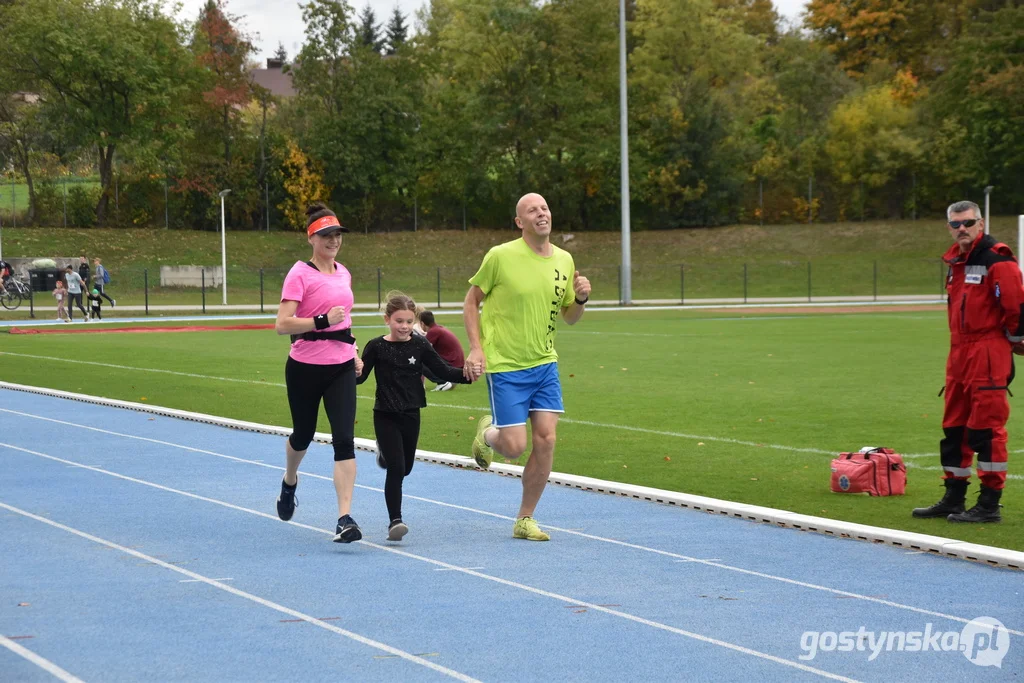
x=15, y=291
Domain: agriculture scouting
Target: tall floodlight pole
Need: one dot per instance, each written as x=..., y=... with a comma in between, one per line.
x=223, y=250
x=988, y=193
x=1020, y=238
x=627, y=283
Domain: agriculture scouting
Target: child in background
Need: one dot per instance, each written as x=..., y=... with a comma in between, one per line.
x=417, y=326
x=97, y=302
x=421, y=330
x=399, y=359
x=61, y=295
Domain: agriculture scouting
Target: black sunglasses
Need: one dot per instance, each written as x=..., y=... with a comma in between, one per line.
x=969, y=223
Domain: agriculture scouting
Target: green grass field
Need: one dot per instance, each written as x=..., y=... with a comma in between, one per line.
x=724, y=405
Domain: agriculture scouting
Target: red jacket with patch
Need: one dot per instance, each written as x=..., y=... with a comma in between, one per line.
x=985, y=293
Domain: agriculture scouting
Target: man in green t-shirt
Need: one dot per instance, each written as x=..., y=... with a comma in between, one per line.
x=524, y=286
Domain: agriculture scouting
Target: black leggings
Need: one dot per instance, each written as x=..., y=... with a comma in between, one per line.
x=99, y=286
x=336, y=385
x=75, y=300
x=397, y=434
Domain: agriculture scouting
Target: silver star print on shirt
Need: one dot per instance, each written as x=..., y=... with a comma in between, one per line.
x=412, y=360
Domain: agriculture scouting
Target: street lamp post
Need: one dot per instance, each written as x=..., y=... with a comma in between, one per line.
x=626, y=293
x=988, y=193
x=223, y=251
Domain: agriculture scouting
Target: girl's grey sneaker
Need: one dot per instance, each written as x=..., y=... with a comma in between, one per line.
x=396, y=530
x=347, y=531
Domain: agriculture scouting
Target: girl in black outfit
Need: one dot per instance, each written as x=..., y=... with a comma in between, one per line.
x=399, y=359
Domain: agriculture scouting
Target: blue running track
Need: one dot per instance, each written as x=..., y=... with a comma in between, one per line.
x=136, y=547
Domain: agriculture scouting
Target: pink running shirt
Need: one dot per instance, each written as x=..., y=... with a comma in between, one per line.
x=317, y=293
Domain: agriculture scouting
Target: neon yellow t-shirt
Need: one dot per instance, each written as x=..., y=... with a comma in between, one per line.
x=524, y=296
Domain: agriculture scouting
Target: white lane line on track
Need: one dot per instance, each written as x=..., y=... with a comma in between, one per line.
x=44, y=664
x=234, y=591
x=574, y=532
x=402, y=553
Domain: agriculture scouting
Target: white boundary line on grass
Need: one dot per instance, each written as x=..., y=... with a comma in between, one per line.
x=43, y=663
x=231, y=589
x=363, y=444
x=452, y=406
x=936, y=545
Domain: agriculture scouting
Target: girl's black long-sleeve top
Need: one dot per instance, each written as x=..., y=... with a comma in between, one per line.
x=399, y=369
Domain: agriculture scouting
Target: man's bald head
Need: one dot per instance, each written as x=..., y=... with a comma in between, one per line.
x=526, y=200
x=533, y=216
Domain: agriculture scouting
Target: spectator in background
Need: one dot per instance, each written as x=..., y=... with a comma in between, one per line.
x=445, y=343
x=96, y=304
x=5, y=272
x=61, y=295
x=83, y=271
x=75, y=287
x=100, y=281
x=418, y=329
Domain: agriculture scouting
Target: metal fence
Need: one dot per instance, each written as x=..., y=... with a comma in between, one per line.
x=258, y=289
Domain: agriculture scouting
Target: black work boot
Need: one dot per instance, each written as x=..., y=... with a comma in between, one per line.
x=987, y=509
x=952, y=502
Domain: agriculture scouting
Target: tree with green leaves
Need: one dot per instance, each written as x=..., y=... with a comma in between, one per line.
x=693, y=74
x=872, y=145
x=396, y=32
x=280, y=54
x=979, y=105
x=22, y=132
x=113, y=73
x=321, y=76
x=861, y=32
x=359, y=115
x=368, y=32
x=223, y=54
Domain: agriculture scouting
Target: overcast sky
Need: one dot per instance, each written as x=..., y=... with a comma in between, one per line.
x=271, y=23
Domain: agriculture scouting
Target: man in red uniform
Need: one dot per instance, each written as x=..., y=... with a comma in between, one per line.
x=985, y=296
x=445, y=343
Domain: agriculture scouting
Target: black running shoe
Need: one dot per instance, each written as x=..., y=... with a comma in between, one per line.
x=397, y=529
x=347, y=530
x=287, y=502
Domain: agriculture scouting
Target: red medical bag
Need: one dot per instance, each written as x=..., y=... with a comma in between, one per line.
x=876, y=471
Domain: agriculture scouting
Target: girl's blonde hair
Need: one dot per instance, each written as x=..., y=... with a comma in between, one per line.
x=397, y=301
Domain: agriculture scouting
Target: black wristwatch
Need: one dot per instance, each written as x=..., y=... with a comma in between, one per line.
x=581, y=303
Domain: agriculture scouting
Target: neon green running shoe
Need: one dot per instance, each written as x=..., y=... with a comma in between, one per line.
x=482, y=453
x=526, y=527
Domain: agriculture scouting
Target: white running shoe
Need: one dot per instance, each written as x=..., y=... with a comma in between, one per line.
x=447, y=386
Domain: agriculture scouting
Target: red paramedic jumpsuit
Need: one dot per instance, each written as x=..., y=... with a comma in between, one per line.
x=985, y=298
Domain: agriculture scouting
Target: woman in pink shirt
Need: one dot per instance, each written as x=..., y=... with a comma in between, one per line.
x=316, y=306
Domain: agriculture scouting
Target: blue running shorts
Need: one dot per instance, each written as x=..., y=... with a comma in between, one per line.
x=515, y=394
